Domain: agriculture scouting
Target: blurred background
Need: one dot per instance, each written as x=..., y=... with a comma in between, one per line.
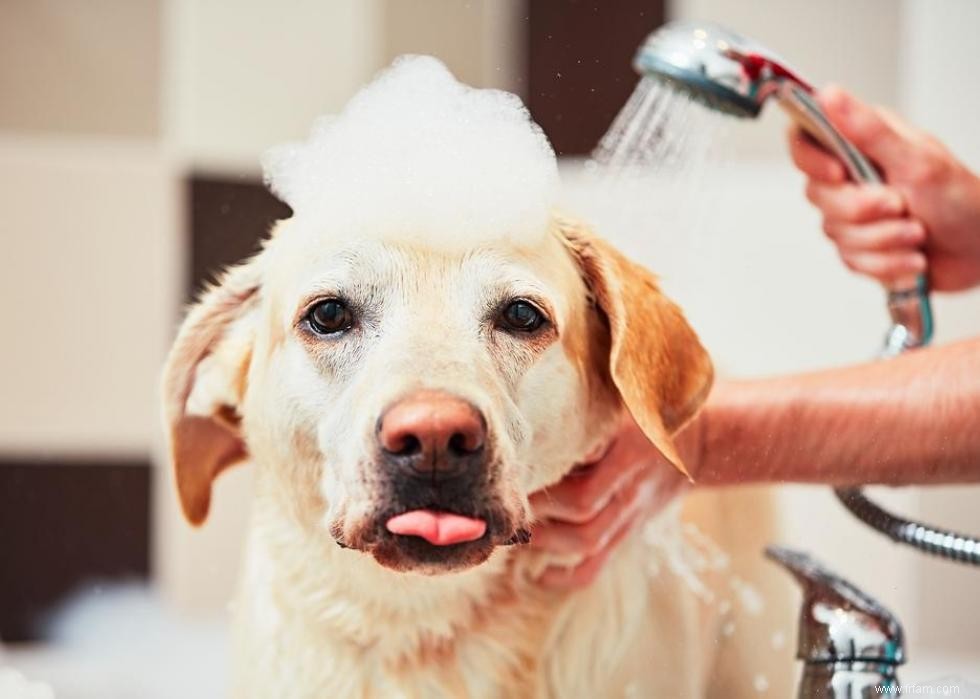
x=130, y=135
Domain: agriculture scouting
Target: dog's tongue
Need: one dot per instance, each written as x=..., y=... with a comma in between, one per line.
x=438, y=528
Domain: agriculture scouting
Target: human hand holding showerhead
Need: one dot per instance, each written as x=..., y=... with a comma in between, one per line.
x=925, y=219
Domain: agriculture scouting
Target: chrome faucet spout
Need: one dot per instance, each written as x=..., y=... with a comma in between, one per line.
x=850, y=645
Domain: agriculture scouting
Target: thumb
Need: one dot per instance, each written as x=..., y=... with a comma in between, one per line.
x=865, y=127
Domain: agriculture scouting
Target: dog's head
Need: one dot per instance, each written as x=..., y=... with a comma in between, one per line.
x=405, y=400
x=423, y=344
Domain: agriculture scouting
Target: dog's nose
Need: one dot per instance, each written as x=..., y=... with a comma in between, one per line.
x=431, y=431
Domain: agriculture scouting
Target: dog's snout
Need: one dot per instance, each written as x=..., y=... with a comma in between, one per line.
x=432, y=431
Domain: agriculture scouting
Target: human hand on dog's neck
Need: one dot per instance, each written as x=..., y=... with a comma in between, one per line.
x=593, y=509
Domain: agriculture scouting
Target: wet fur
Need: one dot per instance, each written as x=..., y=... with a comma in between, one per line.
x=316, y=619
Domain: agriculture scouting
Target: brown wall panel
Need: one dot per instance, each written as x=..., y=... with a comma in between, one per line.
x=228, y=218
x=64, y=525
x=580, y=65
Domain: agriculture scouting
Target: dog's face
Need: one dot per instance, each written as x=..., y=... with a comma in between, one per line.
x=404, y=399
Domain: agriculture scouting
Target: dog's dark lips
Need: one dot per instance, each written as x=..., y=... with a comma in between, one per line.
x=415, y=554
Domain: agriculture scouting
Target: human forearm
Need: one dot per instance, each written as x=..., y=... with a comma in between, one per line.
x=913, y=419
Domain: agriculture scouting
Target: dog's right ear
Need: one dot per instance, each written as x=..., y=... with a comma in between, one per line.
x=656, y=361
x=204, y=383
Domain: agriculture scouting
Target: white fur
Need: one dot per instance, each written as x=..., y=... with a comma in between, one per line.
x=315, y=620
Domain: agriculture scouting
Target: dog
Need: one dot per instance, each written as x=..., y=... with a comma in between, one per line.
x=401, y=396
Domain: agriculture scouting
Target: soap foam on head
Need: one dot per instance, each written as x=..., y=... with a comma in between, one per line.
x=418, y=154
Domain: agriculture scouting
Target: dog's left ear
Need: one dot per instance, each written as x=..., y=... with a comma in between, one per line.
x=656, y=361
x=204, y=384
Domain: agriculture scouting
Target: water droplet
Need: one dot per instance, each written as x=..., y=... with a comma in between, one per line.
x=748, y=596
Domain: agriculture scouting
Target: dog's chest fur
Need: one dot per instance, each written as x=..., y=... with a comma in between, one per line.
x=331, y=623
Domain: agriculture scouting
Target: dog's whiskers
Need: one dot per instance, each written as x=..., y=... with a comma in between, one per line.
x=521, y=536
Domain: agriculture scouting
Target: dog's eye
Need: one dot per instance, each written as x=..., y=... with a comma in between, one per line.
x=329, y=317
x=521, y=316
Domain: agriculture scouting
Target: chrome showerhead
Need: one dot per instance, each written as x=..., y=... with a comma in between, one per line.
x=714, y=65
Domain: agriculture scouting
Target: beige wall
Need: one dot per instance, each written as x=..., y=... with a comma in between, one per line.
x=89, y=276
x=233, y=94
x=246, y=75
x=480, y=41
x=87, y=294
x=939, y=58
x=80, y=67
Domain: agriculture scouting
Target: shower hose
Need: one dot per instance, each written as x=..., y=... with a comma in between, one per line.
x=932, y=540
x=938, y=542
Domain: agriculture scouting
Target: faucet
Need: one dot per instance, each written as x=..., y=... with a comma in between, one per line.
x=850, y=645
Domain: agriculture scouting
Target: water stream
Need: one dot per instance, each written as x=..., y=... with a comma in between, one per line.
x=659, y=128
x=652, y=166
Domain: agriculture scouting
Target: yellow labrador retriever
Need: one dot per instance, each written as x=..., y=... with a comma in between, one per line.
x=401, y=398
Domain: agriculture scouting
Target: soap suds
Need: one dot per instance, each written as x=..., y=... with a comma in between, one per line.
x=778, y=640
x=750, y=598
x=684, y=551
x=418, y=154
x=14, y=685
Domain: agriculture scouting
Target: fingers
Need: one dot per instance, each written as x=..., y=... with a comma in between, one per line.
x=581, y=496
x=865, y=127
x=886, y=267
x=855, y=203
x=893, y=234
x=887, y=250
x=585, y=572
x=813, y=160
x=591, y=537
x=591, y=510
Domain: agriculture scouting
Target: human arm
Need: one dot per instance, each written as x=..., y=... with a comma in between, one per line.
x=914, y=419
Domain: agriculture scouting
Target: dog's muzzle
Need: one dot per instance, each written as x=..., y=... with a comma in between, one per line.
x=442, y=509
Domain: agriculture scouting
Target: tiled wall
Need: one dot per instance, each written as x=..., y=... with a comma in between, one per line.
x=112, y=109
x=88, y=294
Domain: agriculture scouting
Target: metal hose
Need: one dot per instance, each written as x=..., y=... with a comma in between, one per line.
x=938, y=542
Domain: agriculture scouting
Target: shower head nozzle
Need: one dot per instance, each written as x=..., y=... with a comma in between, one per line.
x=713, y=65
